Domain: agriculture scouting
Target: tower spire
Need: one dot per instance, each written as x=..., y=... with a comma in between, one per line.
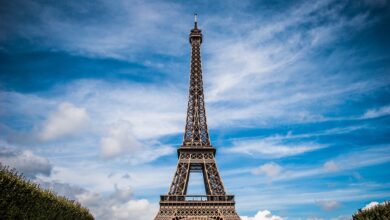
x=196, y=133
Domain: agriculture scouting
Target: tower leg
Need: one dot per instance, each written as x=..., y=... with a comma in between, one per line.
x=180, y=179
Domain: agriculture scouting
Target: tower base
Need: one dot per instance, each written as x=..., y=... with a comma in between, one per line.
x=200, y=208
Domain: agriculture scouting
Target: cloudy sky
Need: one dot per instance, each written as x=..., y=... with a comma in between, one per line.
x=93, y=99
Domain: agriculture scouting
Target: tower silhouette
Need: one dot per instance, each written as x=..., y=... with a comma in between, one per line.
x=196, y=154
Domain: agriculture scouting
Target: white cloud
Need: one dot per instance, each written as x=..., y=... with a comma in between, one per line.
x=119, y=205
x=268, y=148
x=150, y=152
x=66, y=120
x=143, y=177
x=25, y=162
x=122, y=194
x=375, y=113
x=152, y=111
x=262, y=215
x=342, y=217
x=129, y=118
x=126, y=117
x=120, y=141
x=89, y=199
x=328, y=205
x=331, y=166
x=134, y=209
x=269, y=169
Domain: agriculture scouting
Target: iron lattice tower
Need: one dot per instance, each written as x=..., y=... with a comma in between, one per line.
x=196, y=154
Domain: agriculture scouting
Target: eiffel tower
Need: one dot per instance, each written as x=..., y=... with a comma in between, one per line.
x=196, y=154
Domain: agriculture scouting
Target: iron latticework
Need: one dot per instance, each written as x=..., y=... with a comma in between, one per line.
x=196, y=155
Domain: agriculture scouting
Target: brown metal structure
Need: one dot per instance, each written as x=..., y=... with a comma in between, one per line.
x=196, y=155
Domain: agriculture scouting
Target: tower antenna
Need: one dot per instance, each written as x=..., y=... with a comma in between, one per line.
x=196, y=20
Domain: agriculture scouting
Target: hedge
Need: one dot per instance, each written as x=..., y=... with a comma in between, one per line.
x=22, y=199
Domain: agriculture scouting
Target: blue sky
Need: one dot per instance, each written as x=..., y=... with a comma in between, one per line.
x=93, y=99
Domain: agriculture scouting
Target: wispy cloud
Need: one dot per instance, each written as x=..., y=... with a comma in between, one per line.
x=262, y=76
x=375, y=113
x=328, y=204
x=293, y=196
x=331, y=166
x=334, y=166
x=270, y=169
x=123, y=30
x=268, y=148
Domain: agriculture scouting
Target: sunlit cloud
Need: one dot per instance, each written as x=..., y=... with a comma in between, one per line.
x=66, y=120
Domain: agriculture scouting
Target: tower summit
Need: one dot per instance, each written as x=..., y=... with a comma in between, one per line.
x=196, y=133
x=196, y=154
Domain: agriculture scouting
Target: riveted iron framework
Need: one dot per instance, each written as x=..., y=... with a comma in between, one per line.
x=196, y=154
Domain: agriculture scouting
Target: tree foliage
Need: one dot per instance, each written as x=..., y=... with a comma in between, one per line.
x=378, y=212
x=22, y=199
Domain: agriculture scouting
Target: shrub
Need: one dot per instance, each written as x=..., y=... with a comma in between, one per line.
x=22, y=199
x=378, y=212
